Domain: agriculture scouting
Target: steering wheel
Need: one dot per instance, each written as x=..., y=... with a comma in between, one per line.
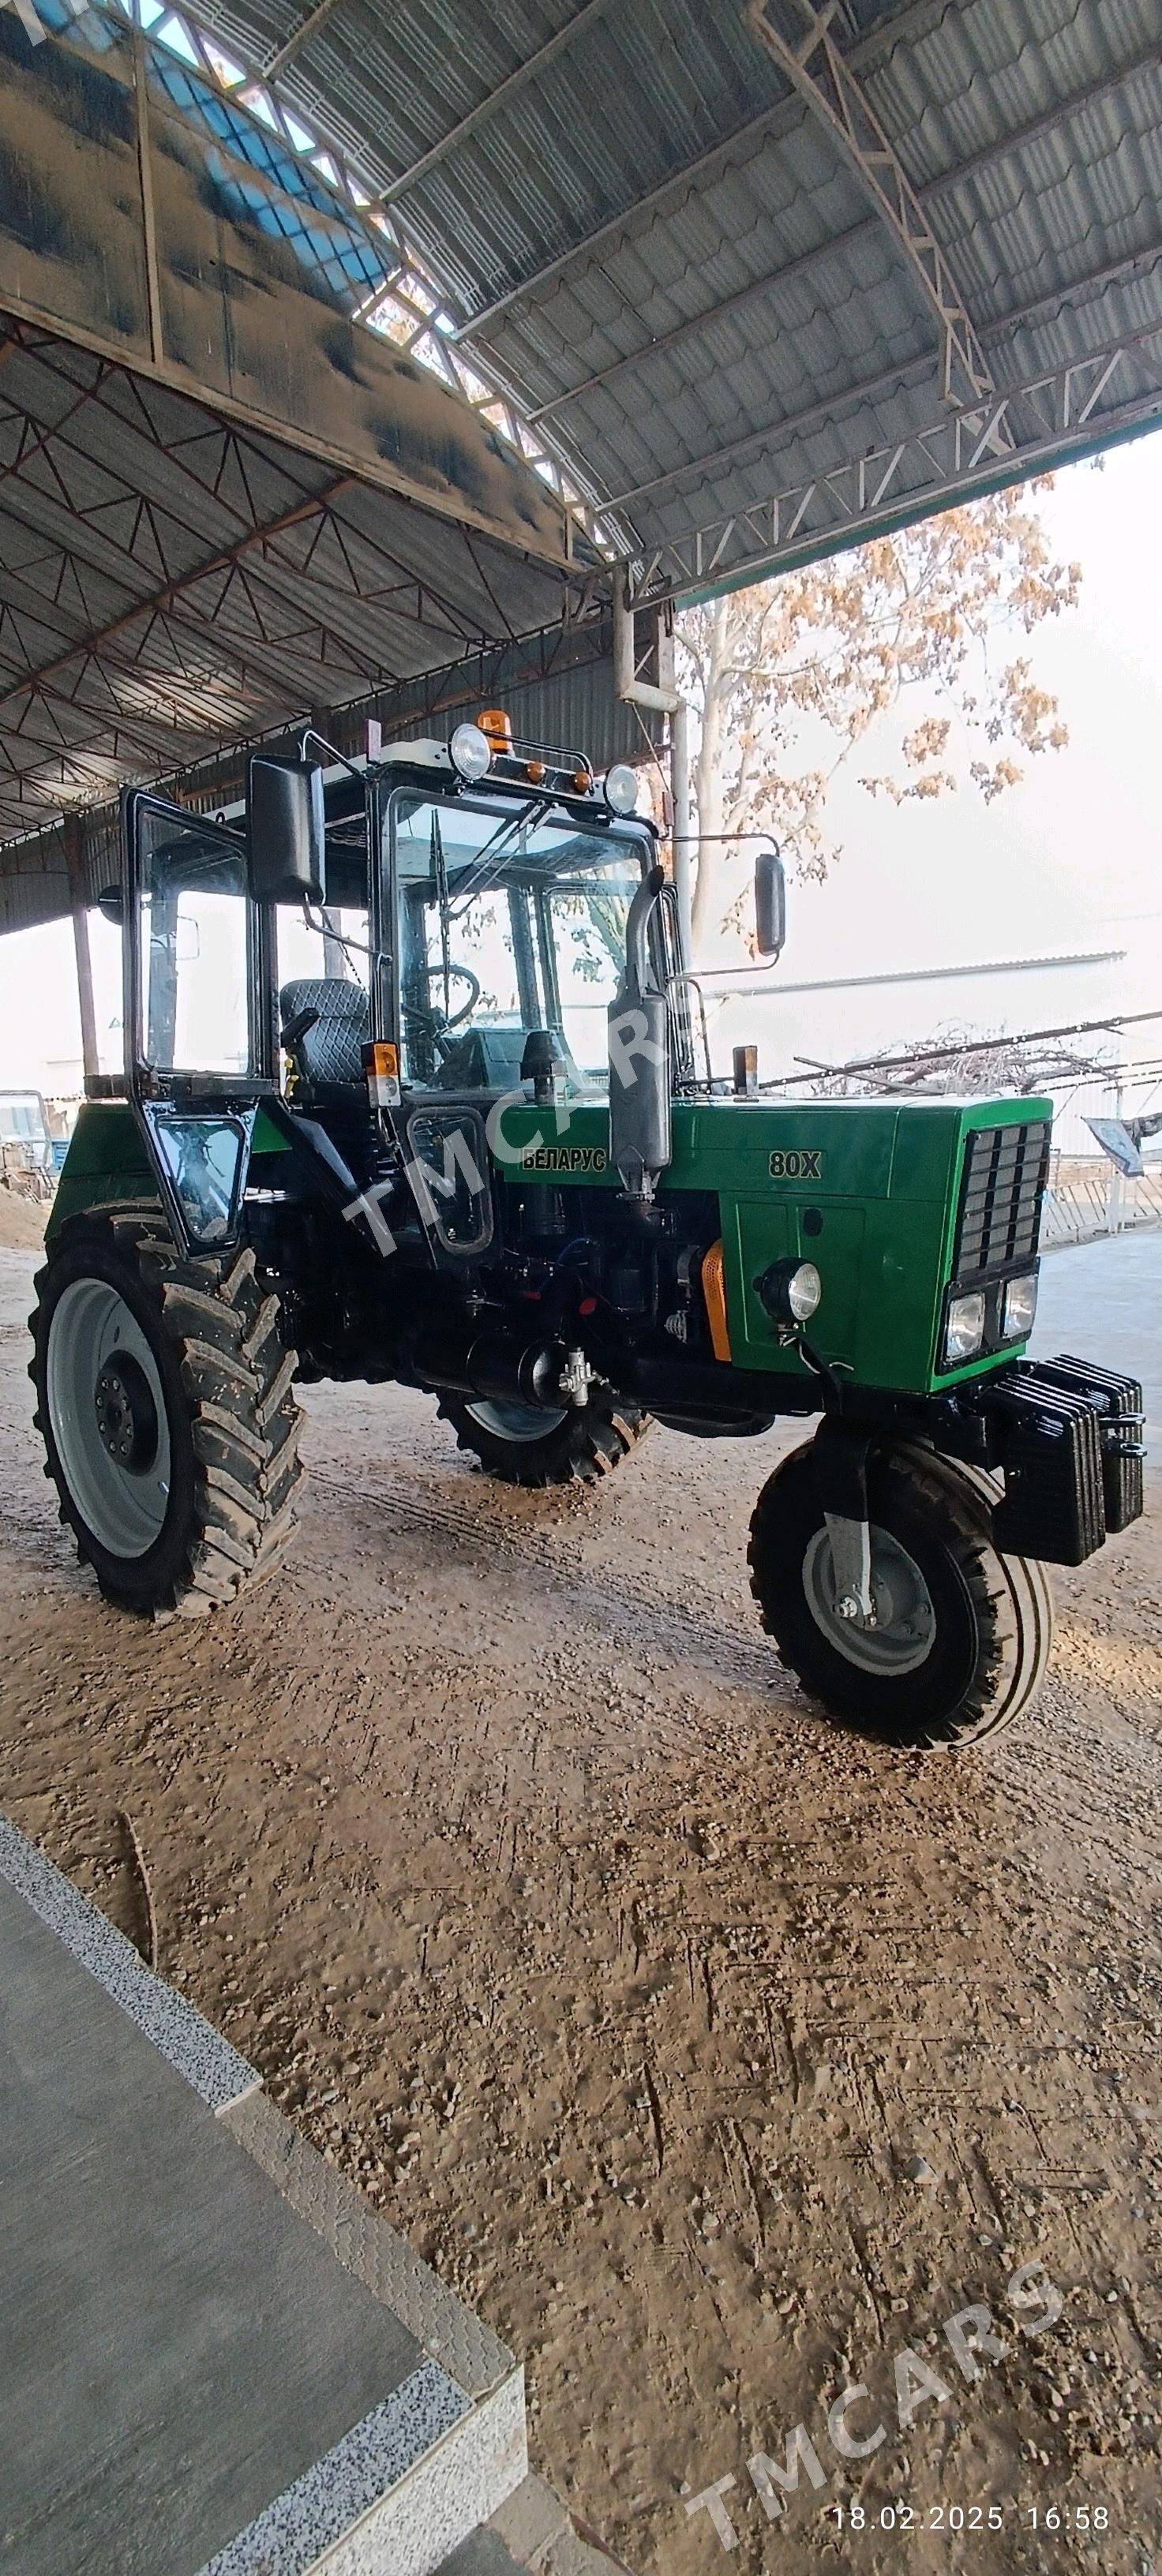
x=435, y=1020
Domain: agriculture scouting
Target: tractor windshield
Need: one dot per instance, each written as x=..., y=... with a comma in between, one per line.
x=508, y=921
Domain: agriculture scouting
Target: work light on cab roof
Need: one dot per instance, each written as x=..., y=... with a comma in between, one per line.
x=471, y=752
x=619, y=787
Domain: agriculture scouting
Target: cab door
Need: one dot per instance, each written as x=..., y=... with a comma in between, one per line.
x=199, y=1047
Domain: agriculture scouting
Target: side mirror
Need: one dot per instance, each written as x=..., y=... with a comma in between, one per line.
x=287, y=830
x=770, y=902
x=111, y=905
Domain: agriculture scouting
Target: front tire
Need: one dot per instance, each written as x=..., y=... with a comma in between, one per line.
x=964, y=1633
x=163, y=1396
x=524, y=1444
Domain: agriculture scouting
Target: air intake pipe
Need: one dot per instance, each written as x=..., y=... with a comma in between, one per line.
x=639, y=1059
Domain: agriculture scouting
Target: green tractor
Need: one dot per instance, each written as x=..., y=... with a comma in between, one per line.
x=416, y=1089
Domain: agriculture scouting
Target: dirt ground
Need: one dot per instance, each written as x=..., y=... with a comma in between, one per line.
x=716, y=2057
x=22, y=1221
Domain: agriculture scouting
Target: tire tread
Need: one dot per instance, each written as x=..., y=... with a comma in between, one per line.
x=587, y=1446
x=236, y=1375
x=1010, y=1596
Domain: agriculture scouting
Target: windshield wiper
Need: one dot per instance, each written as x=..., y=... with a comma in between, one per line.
x=439, y=867
x=480, y=877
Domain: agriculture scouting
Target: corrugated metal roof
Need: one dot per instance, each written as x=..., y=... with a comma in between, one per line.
x=662, y=251
x=653, y=236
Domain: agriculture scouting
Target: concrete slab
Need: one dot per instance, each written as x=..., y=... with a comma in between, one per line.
x=176, y=2028
x=189, y=2380
x=530, y=2520
x=533, y=2534
x=482, y=2554
x=366, y=2245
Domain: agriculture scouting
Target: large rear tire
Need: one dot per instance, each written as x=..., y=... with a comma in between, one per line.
x=964, y=1634
x=524, y=1444
x=163, y=1392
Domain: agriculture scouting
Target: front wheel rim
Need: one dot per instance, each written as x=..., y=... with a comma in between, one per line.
x=108, y=1419
x=905, y=1630
x=509, y=1419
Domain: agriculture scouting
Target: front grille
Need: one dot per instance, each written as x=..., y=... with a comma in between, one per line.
x=1005, y=1171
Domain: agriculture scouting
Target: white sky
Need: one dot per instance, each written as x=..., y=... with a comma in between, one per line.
x=1071, y=859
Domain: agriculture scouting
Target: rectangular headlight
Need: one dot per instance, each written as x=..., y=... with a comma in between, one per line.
x=964, y=1329
x=1020, y=1307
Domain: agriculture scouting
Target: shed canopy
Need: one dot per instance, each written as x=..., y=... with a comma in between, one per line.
x=346, y=338
x=760, y=270
x=170, y=580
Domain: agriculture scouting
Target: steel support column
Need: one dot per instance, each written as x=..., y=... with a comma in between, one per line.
x=79, y=907
x=664, y=697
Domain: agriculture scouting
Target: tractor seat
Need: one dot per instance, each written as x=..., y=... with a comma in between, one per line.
x=332, y=1050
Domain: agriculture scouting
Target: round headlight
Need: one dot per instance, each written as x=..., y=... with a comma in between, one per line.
x=790, y=1291
x=619, y=788
x=471, y=751
x=804, y=1290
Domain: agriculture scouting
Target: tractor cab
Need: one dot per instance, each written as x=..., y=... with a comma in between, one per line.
x=473, y=923
x=444, y=924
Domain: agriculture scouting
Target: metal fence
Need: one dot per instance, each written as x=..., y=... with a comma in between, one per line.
x=1092, y=1198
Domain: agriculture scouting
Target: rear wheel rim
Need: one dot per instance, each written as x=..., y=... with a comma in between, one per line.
x=905, y=1630
x=108, y=1419
x=509, y=1419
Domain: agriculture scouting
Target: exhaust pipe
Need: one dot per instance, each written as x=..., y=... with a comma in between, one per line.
x=639, y=1060
x=491, y=1364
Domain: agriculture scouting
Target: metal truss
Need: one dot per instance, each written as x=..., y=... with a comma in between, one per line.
x=800, y=39
x=768, y=126
x=402, y=299
x=1070, y=411
x=760, y=289
x=31, y=884
x=127, y=643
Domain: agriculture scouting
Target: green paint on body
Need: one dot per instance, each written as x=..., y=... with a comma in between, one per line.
x=866, y=1189
x=105, y=1166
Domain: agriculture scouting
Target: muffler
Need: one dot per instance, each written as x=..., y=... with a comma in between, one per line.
x=492, y=1364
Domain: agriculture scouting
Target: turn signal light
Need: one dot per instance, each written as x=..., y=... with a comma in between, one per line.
x=381, y=1064
x=714, y=1292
